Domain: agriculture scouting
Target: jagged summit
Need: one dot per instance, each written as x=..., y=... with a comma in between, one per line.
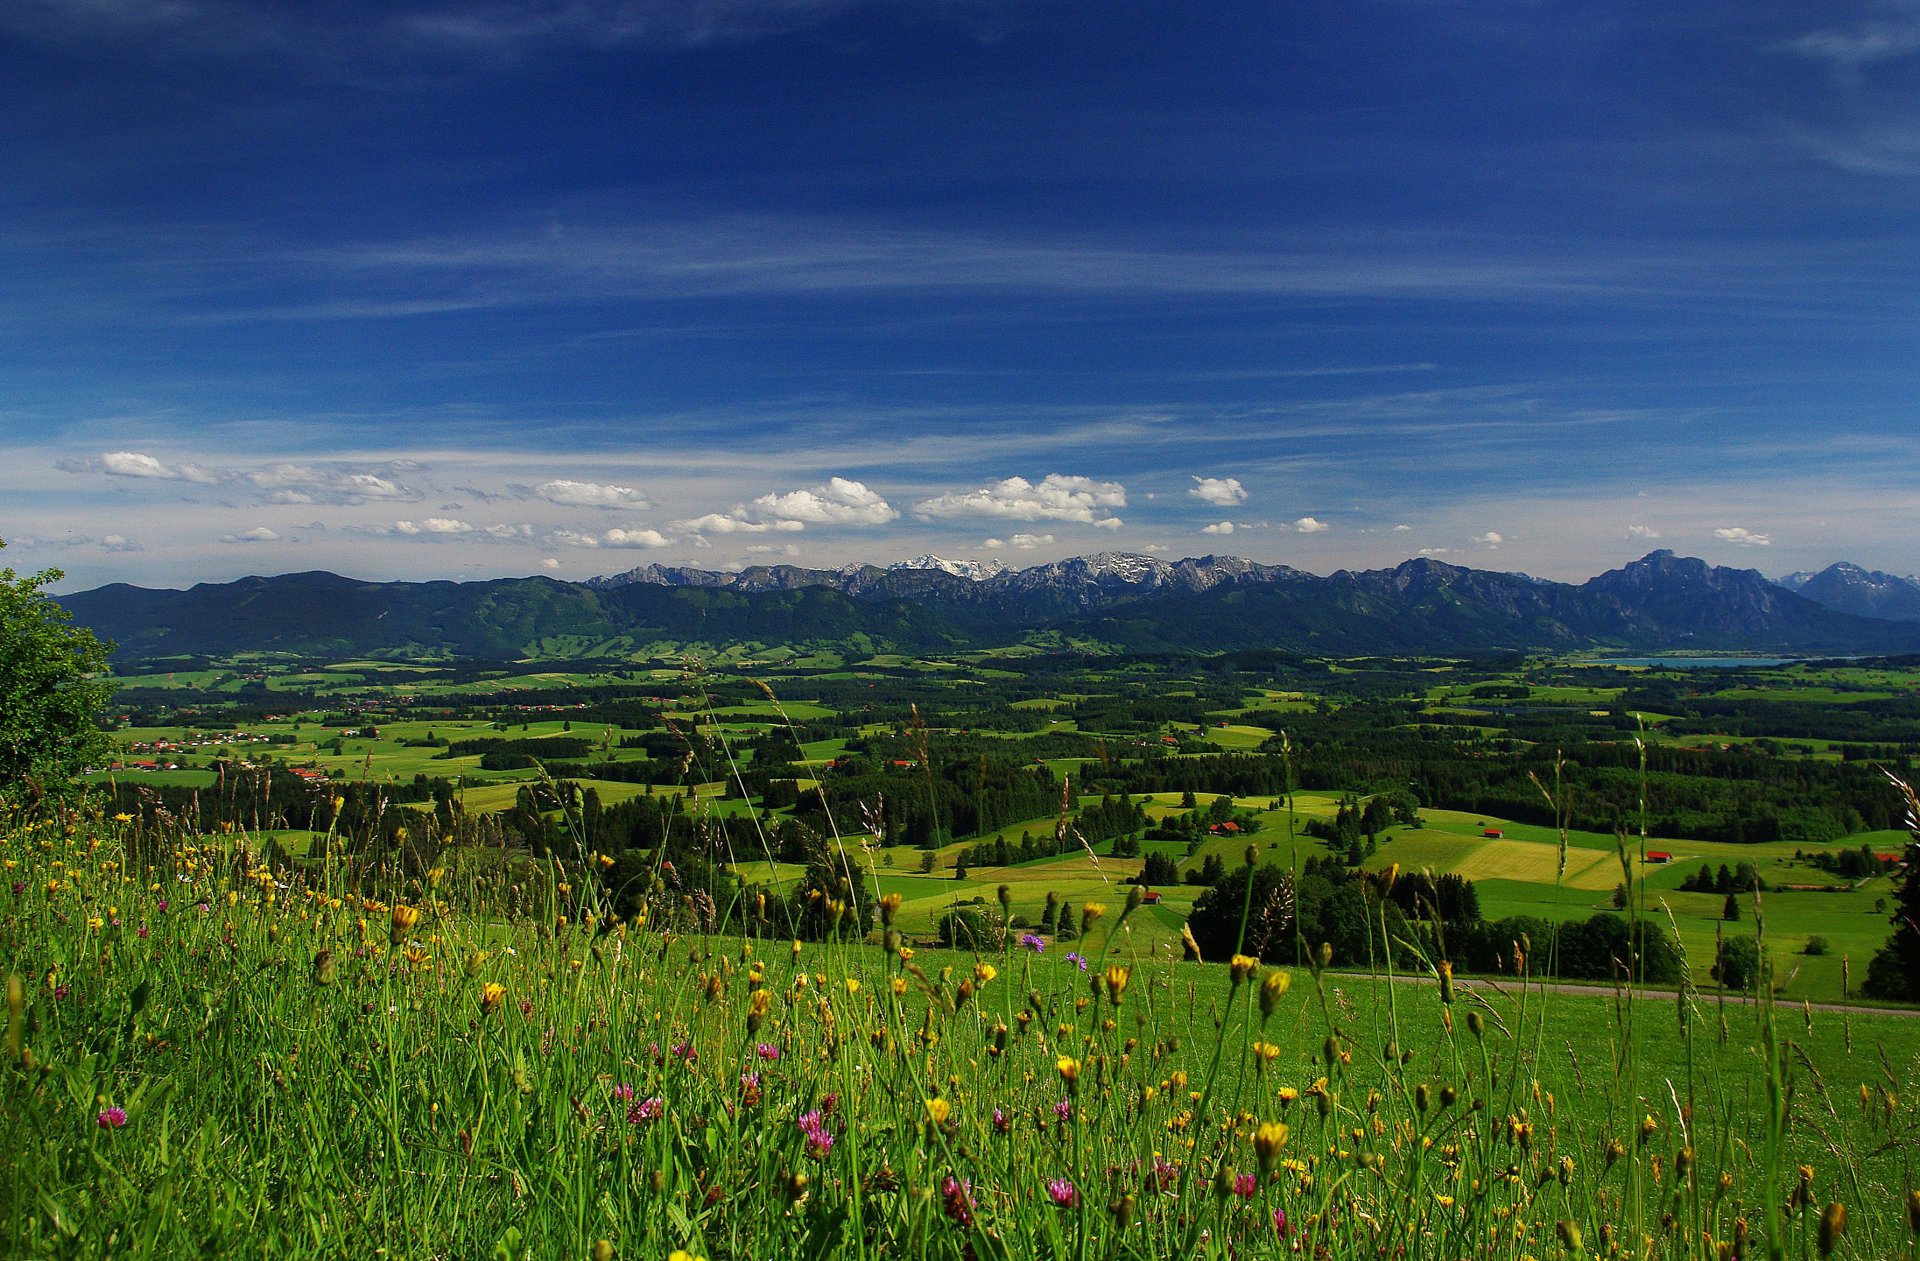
x=976, y=570
x=1849, y=588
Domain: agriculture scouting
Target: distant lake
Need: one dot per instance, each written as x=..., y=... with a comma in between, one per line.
x=1692, y=663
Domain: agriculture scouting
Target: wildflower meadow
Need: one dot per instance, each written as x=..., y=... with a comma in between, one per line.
x=209, y=1056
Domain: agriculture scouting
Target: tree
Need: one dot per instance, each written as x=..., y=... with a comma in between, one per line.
x=51, y=685
x=1894, y=971
x=1739, y=965
x=1730, y=909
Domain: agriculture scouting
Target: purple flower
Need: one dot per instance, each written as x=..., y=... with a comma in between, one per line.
x=1076, y=959
x=1032, y=942
x=141, y=932
x=1001, y=1123
x=1064, y=1109
x=1245, y=1184
x=750, y=1088
x=1280, y=1222
x=1063, y=1192
x=112, y=1118
x=957, y=1194
x=623, y=1092
x=646, y=1110
x=19, y=887
x=819, y=1137
x=684, y=1051
x=163, y=906
x=767, y=1051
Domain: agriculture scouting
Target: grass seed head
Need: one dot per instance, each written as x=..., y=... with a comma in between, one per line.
x=1833, y=1224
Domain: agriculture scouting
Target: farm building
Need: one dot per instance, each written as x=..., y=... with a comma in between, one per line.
x=1660, y=856
x=1493, y=834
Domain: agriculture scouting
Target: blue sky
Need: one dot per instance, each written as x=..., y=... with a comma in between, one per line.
x=466, y=288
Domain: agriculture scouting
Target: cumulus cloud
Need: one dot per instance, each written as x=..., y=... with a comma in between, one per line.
x=1057, y=497
x=1491, y=540
x=842, y=501
x=138, y=464
x=1642, y=532
x=1218, y=527
x=1222, y=492
x=1310, y=525
x=280, y=482
x=433, y=525
x=571, y=494
x=1744, y=537
x=737, y=523
x=1402, y=528
x=635, y=538
x=258, y=534
x=118, y=543
x=1019, y=542
x=570, y=538
x=549, y=562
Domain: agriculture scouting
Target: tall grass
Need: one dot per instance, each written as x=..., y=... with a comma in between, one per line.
x=206, y=1057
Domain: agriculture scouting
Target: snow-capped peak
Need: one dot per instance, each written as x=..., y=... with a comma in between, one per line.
x=976, y=570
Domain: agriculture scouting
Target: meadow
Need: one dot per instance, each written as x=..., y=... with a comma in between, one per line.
x=208, y=1057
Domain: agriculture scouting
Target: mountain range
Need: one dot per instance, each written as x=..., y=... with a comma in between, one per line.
x=1122, y=600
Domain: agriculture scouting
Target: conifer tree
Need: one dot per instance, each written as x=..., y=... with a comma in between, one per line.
x=1894, y=972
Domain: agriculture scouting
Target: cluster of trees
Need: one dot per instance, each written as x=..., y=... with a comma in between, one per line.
x=1745, y=878
x=1342, y=908
x=1356, y=825
x=1853, y=864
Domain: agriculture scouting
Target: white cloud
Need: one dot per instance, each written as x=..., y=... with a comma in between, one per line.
x=573, y=494
x=1218, y=527
x=258, y=534
x=1020, y=542
x=571, y=538
x=1491, y=540
x=1642, y=532
x=841, y=501
x=139, y=464
x=118, y=543
x=1434, y=551
x=1056, y=498
x=549, y=562
x=1222, y=492
x=1402, y=528
x=735, y=523
x=635, y=538
x=287, y=483
x=1744, y=537
x=1310, y=525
